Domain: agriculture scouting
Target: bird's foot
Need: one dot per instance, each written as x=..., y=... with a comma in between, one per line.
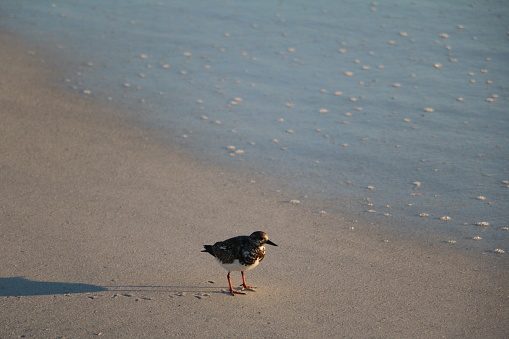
x=246, y=287
x=233, y=292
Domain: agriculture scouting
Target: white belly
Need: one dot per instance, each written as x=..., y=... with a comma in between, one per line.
x=236, y=266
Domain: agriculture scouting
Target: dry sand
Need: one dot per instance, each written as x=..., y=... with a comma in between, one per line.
x=102, y=227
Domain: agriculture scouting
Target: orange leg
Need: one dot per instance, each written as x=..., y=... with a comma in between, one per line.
x=244, y=281
x=232, y=291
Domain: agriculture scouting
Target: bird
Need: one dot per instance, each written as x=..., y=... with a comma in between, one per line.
x=240, y=253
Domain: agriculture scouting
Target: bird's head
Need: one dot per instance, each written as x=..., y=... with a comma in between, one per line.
x=261, y=238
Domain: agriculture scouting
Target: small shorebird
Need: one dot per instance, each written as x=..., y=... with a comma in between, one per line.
x=240, y=253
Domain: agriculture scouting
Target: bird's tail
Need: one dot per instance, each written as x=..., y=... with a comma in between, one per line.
x=208, y=249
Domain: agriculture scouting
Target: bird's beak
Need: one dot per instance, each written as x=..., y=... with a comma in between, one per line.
x=270, y=243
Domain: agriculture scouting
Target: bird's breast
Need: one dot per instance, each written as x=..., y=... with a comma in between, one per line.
x=237, y=266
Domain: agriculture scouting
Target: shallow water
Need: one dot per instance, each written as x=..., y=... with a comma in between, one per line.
x=399, y=107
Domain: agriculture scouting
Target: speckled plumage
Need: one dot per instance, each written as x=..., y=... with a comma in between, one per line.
x=240, y=253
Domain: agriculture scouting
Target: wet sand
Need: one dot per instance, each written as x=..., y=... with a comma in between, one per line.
x=102, y=227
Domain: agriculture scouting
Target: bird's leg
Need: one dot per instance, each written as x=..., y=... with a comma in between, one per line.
x=232, y=291
x=244, y=285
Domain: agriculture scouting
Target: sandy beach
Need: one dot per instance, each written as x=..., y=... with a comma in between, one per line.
x=103, y=223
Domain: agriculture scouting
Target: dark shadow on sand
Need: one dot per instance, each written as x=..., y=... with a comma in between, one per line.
x=20, y=286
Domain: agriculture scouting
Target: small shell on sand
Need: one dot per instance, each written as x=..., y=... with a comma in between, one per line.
x=477, y=238
x=499, y=251
x=371, y=188
x=429, y=110
x=323, y=110
x=446, y=218
x=443, y=35
x=143, y=56
x=338, y=93
x=482, y=223
x=230, y=148
x=481, y=197
x=437, y=65
x=239, y=151
x=451, y=241
x=348, y=74
x=424, y=215
x=289, y=104
x=294, y=201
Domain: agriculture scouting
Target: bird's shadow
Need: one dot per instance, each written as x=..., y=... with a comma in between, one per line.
x=20, y=286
